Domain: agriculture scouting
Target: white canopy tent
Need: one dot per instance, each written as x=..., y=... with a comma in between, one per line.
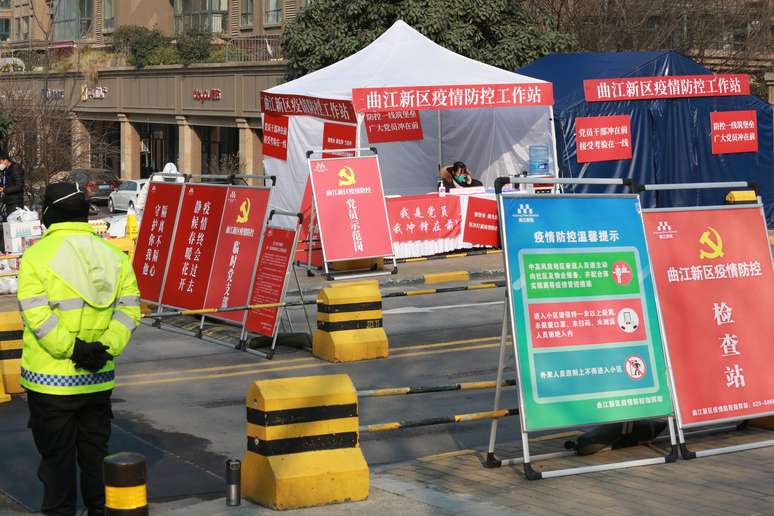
x=491, y=141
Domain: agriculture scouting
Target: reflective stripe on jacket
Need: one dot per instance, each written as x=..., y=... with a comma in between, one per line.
x=73, y=284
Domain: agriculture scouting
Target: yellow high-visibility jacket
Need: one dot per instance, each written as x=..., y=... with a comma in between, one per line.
x=73, y=284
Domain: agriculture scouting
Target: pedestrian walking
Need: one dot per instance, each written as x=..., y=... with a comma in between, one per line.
x=11, y=183
x=80, y=303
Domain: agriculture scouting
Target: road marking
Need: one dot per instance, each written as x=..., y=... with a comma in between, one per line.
x=427, y=309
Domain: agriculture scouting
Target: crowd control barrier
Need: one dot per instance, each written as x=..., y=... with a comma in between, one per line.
x=303, y=445
x=11, y=331
x=126, y=478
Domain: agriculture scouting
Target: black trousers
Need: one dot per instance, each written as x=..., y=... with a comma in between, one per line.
x=66, y=429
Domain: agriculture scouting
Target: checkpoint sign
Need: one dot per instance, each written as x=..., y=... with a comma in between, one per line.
x=587, y=334
x=714, y=277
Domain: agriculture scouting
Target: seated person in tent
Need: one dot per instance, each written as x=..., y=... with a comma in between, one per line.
x=461, y=176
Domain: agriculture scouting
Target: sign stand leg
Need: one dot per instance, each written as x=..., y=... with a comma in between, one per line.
x=200, y=331
x=301, y=295
x=491, y=460
x=312, y=211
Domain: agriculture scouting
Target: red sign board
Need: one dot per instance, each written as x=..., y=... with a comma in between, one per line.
x=424, y=217
x=481, y=222
x=603, y=138
x=302, y=249
x=244, y=214
x=351, y=213
x=734, y=131
x=669, y=87
x=375, y=100
x=270, y=279
x=194, y=247
x=339, y=136
x=714, y=277
x=329, y=109
x=275, y=136
x=155, y=237
x=393, y=126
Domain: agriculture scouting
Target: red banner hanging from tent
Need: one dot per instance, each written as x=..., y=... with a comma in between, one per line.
x=328, y=109
x=603, y=138
x=350, y=206
x=275, y=136
x=270, y=279
x=734, y=131
x=236, y=252
x=375, y=100
x=155, y=238
x=194, y=246
x=714, y=277
x=481, y=222
x=424, y=217
x=669, y=87
x=394, y=126
x=339, y=136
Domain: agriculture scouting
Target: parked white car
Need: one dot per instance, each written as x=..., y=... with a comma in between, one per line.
x=125, y=195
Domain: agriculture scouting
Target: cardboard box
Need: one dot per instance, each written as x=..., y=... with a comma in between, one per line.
x=14, y=234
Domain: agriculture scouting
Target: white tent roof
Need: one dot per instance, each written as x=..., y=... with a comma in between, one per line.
x=401, y=56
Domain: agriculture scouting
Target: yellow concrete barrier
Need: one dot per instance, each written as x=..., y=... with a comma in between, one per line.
x=349, y=323
x=303, y=446
x=741, y=197
x=446, y=277
x=11, y=331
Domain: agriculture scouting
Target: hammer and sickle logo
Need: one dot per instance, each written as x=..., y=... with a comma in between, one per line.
x=244, y=212
x=713, y=244
x=346, y=177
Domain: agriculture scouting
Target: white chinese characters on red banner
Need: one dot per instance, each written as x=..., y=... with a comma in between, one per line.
x=676, y=86
x=275, y=136
x=328, y=109
x=393, y=126
x=734, y=131
x=481, y=222
x=374, y=100
x=339, y=136
x=424, y=217
x=603, y=138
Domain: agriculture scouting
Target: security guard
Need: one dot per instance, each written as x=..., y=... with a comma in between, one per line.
x=80, y=304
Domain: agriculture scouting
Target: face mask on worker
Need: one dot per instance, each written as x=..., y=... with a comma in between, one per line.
x=460, y=179
x=3, y=166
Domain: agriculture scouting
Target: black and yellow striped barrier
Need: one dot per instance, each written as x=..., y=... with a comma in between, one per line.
x=400, y=391
x=349, y=323
x=11, y=331
x=741, y=197
x=126, y=478
x=303, y=446
x=445, y=290
x=458, y=418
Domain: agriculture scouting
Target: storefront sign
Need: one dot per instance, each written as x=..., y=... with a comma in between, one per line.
x=93, y=92
x=714, y=276
x=393, y=126
x=416, y=218
x=351, y=212
x=583, y=307
x=328, y=109
x=339, y=136
x=275, y=136
x=603, y=138
x=670, y=87
x=52, y=94
x=734, y=131
x=212, y=94
x=194, y=246
x=270, y=279
x=375, y=100
x=155, y=237
x=481, y=222
x=236, y=252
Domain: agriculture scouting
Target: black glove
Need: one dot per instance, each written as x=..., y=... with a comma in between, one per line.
x=91, y=356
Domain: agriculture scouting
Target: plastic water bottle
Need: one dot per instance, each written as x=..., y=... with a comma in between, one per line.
x=441, y=189
x=538, y=160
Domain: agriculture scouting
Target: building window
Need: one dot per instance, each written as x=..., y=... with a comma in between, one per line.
x=206, y=15
x=248, y=12
x=273, y=12
x=5, y=4
x=109, y=16
x=5, y=29
x=73, y=19
x=24, y=31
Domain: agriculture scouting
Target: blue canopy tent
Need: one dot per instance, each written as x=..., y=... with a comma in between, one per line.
x=670, y=137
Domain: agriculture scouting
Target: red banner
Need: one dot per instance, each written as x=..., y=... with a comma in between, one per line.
x=350, y=208
x=155, y=237
x=481, y=222
x=669, y=87
x=375, y=100
x=714, y=277
x=329, y=109
x=734, y=131
x=603, y=138
x=237, y=249
x=424, y=217
x=270, y=279
x=194, y=246
x=339, y=136
x=302, y=249
x=275, y=136
x=394, y=126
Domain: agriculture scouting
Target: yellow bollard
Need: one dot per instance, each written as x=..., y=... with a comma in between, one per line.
x=11, y=344
x=126, y=477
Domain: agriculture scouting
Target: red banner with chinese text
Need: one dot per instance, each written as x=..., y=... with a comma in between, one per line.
x=714, y=277
x=424, y=217
x=481, y=222
x=393, y=126
x=603, y=138
x=328, y=109
x=155, y=238
x=734, y=131
x=375, y=100
x=194, y=246
x=275, y=136
x=302, y=249
x=339, y=136
x=236, y=252
x=668, y=87
x=350, y=206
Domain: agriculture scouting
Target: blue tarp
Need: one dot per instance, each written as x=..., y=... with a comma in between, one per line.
x=670, y=137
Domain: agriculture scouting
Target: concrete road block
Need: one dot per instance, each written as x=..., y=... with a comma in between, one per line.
x=303, y=445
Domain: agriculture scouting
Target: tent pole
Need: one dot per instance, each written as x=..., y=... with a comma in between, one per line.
x=440, y=145
x=553, y=140
x=359, y=118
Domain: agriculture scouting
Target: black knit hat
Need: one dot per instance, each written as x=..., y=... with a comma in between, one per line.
x=4, y=155
x=64, y=202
